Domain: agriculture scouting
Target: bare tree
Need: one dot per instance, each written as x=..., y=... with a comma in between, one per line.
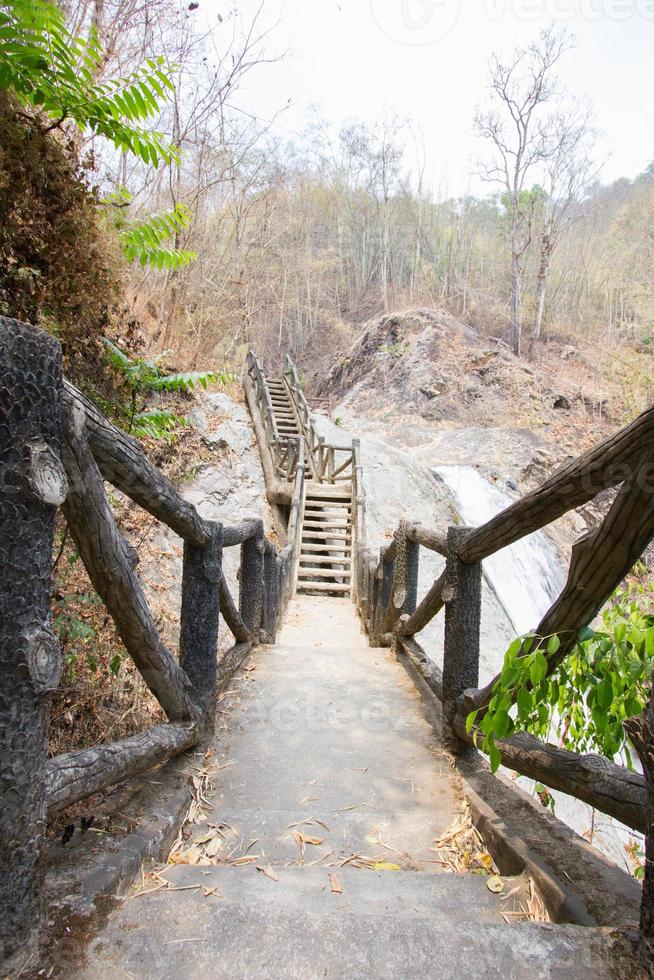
x=522, y=141
x=570, y=173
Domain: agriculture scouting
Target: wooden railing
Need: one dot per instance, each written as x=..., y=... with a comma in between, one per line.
x=385, y=590
x=285, y=450
x=57, y=449
x=328, y=463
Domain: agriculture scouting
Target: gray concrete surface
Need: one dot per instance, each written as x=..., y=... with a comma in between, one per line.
x=326, y=736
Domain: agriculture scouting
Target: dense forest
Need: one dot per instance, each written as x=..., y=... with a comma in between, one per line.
x=209, y=230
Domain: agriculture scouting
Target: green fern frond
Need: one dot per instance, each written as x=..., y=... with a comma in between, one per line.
x=49, y=70
x=144, y=242
x=157, y=424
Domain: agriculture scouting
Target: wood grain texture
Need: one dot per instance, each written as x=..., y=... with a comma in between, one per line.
x=101, y=548
x=30, y=415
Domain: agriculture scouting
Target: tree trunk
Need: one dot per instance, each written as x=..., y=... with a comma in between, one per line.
x=31, y=484
x=546, y=248
x=516, y=297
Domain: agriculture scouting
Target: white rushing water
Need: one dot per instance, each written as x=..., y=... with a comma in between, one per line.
x=528, y=575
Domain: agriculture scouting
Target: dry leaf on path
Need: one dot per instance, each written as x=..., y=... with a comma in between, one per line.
x=192, y=855
x=337, y=888
x=302, y=840
x=268, y=872
x=495, y=884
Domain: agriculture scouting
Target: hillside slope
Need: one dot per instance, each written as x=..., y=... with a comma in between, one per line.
x=429, y=382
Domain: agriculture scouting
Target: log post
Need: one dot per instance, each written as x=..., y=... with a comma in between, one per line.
x=198, y=637
x=641, y=732
x=251, y=591
x=270, y=594
x=412, y=560
x=462, y=594
x=32, y=483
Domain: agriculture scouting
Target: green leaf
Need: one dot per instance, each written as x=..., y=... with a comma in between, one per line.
x=470, y=720
x=604, y=693
x=495, y=757
x=525, y=702
x=553, y=644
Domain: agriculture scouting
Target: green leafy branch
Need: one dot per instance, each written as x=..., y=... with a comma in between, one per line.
x=144, y=376
x=144, y=242
x=587, y=697
x=52, y=72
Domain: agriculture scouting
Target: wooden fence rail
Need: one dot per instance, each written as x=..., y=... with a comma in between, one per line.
x=385, y=594
x=57, y=449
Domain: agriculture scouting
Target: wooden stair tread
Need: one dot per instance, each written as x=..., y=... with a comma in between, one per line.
x=323, y=587
x=338, y=573
x=326, y=559
x=326, y=525
x=328, y=535
x=319, y=547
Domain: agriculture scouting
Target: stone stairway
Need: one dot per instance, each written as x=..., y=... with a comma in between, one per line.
x=326, y=550
x=330, y=789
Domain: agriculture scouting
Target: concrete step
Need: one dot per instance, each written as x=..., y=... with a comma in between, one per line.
x=323, y=587
x=382, y=925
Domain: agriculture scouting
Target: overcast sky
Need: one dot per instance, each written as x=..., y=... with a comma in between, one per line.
x=427, y=59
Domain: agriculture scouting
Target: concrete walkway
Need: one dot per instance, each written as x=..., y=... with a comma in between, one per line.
x=328, y=769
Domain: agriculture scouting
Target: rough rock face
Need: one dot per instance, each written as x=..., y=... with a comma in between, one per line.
x=432, y=384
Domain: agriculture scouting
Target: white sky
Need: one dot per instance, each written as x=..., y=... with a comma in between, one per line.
x=427, y=58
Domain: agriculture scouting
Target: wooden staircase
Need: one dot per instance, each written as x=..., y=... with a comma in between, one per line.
x=326, y=548
x=282, y=408
x=325, y=559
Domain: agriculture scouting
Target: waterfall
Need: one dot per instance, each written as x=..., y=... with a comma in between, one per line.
x=527, y=576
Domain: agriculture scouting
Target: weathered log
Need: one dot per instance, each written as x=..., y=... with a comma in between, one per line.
x=613, y=789
x=124, y=464
x=462, y=594
x=231, y=614
x=230, y=662
x=430, y=671
x=276, y=491
x=251, y=590
x=75, y=775
x=270, y=596
x=607, y=464
x=30, y=662
x=427, y=609
x=198, y=639
x=234, y=534
x=600, y=560
x=641, y=733
x=398, y=593
x=94, y=531
x=434, y=540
